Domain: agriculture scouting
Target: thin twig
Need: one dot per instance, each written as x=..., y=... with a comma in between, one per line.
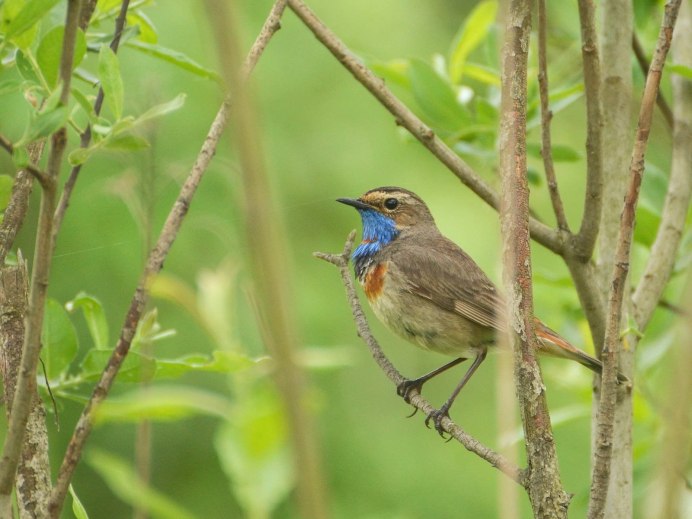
x=643, y=62
x=586, y=238
x=606, y=410
x=85, y=138
x=26, y=383
x=35, y=171
x=540, y=232
x=153, y=266
x=419, y=402
x=547, y=497
x=546, y=117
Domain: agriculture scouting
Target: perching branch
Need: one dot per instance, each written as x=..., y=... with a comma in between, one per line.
x=643, y=62
x=419, y=402
x=26, y=383
x=586, y=238
x=546, y=117
x=547, y=497
x=661, y=260
x=606, y=410
x=540, y=232
x=153, y=266
x=35, y=171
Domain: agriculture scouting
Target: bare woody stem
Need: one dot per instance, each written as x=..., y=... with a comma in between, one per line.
x=643, y=62
x=546, y=117
x=153, y=266
x=586, y=238
x=419, y=402
x=547, y=497
x=404, y=117
x=606, y=410
x=26, y=382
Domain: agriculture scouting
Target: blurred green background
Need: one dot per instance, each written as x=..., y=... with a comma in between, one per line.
x=324, y=137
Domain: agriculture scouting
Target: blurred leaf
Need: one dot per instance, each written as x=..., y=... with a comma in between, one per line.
x=9, y=86
x=534, y=176
x=654, y=188
x=482, y=73
x=394, y=71
x=111, y=80
x=6, y=183
x=162, y=109
x=79, y=156
x=681, y=70
x=59, y=340
x=25, y=68
x=162, y=403
x=560, y=153
x=44, y=124
x=20, y=157
x=176, y=58
x=126, y=484
x=31, y=12
x=135, y=368
x=147, y=31
x=94, y=315
x=646, y=226
x=253, y=451
x=436, y=98
x=126, y=143
x=85, y=104
x=220, y=362
x=558, y=417
x=77, y=507
x=49, y=53
x=470, y=35
x=323, y=357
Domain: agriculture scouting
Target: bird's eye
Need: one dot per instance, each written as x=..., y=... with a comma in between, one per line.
x=391, y=203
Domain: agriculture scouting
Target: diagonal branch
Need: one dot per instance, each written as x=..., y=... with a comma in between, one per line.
x=586, y=238
x=419, y=402
x=611, y=346
x=643, y=62
x=153, y=266
x=540, y=232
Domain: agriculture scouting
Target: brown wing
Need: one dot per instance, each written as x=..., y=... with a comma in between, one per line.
x=438, y=270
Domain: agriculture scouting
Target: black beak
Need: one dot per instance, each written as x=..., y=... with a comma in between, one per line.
x=354, y=202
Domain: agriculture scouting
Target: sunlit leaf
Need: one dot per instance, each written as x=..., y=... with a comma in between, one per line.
x=59, y=339
x=111, y=80
x=680, y=70
x=28, y=16
x=122, y=480
x=135, y=368
x=49, y=53
x=393, y=72
x=481, y=73
x=471, y=34
x=176, y=58
x=77, y=507
x=147, y=31
x=94, y=315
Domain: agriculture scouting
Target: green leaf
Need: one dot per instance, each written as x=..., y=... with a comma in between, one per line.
x=25, y=68
x=534, y=176
x=560, y=153
x=6, y=183
x=681, y=70
x=49, y=53
x=126, y=143
x=157, y=111
x=147, y=31
x=135, y=368
x=127, y=485
x=59, y=340
x=94, y=315
x=482, y=73
x=20, y=157
x=436, y=98
x=10, y=85
x=220, y=362
x=111, y=80
x=80, y=156
x=470, y=35
x=176, y=58
x=44, y=124
x=28, y=16
x=394, y=71
x=85, y=104
x=162, y=403
x=77, y=507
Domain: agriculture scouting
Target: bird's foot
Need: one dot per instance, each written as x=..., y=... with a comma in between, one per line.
x=408, y=388
x=436, y=417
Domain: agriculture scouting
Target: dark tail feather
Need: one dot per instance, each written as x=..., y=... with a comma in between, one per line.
x=552, y=344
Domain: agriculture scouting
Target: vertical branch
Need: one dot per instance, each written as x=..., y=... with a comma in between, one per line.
x=586, y=239
x=153, y=265
x=26, y=383
x=611, y=346
x=546, y=117
x=643, y=62
x=33, y=473
x=267, y=248
x=547, y=497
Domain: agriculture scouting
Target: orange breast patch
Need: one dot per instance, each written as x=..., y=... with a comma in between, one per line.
x=374, y=281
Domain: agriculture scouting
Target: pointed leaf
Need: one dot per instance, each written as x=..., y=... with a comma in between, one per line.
x=44, y=124
x=59, y=340
x=470, y=35
x=135, y=368
x=49, y=53
x=77, y=507
x=157, y=111
x=94, y=315
x=30, y=14
x=147, y=31
x=111, y=80
x=176, y=58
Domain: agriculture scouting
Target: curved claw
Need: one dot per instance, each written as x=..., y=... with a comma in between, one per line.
x=436, y=417
x=405, y=389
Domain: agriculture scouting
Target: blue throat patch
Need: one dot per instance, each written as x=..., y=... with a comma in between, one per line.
x=378, y=231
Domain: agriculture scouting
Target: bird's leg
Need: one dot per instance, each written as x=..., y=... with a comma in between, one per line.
x=404, y=389
x=436, y=416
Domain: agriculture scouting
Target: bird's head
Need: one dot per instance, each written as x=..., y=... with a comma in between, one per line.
x=386, y=212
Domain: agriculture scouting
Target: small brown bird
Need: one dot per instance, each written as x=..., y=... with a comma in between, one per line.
x=423, y=287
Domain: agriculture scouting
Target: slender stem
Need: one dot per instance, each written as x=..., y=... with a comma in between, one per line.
x=606, y=410
x=153, y=266
x=419, y=402
x=586, y=239
x=547, y=497
x=643, y=62
x=546, y=117
x=540, y=232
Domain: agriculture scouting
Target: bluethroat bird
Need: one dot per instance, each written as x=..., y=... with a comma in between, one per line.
x=423, y=287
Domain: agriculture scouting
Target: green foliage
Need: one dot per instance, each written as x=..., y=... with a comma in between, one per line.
x=77, y=507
